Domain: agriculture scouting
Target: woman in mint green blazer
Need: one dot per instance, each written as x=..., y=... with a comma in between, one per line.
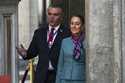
x=71, y=64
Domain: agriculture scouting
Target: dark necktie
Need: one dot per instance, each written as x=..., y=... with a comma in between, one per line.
x=51, y=35
x=50, y=41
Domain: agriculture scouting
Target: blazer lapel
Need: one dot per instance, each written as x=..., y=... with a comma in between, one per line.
x=58, y=36
x=45, y=36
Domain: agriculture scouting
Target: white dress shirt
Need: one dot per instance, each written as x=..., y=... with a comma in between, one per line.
x=51, y=43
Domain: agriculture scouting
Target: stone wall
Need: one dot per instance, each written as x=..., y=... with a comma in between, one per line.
x=123, y=41
x=103, y=29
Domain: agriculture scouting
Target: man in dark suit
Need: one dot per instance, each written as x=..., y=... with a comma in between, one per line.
x=46, y=45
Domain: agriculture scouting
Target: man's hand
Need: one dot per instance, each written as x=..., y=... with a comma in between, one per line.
x=22, y=51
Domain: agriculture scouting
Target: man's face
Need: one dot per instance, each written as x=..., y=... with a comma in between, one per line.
x=54, y=16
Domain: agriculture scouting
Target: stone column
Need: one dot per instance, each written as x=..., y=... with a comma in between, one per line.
x=117, y=27
x=123, y=40
x=33, y=14
x=24, y=22
x=103, y=36
x=1, y=46
x=28, y=20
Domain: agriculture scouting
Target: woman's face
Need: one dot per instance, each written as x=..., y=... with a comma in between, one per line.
x=75, y=25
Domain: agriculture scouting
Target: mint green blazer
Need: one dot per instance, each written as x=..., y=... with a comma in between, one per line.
x=68, y=68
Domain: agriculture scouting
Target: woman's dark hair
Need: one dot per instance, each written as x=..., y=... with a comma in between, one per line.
x=81, y=18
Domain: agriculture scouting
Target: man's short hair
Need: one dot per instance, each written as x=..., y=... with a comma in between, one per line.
x=56, y=6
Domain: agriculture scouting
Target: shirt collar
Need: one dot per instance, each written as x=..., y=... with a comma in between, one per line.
x=56, y=28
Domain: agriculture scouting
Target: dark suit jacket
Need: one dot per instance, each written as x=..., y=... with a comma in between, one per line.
x=39, y=46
